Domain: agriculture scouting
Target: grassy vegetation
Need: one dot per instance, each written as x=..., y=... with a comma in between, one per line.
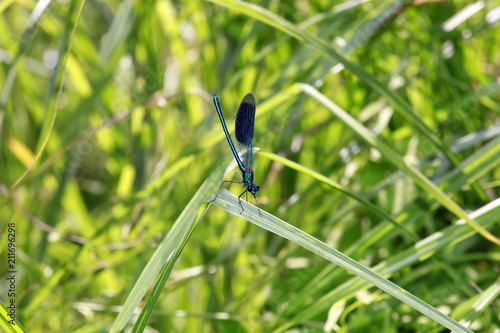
x=378, y=143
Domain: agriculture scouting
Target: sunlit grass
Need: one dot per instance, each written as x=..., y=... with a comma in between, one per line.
x=377, y=159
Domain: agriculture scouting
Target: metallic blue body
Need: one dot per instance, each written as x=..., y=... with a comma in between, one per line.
x=244, y=127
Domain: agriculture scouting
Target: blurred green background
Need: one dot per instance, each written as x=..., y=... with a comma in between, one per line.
x=113, y=101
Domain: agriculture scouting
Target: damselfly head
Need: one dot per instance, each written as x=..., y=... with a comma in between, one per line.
x=253, y=189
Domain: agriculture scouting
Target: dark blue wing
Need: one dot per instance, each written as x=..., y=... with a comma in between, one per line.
x=243, y=129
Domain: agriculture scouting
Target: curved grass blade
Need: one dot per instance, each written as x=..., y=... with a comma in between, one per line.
x=5, y=321
x=273, y=20
x=393, y=157
x=487, y=215
x=229, y=202
x=61, y=69
x=482, y=302
x=482, y=160
x=171, y=244
x=328, y=14
x=325, y=180
x=148, y=308
x=295, y=31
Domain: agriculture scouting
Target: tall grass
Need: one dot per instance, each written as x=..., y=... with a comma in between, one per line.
x=377, y=135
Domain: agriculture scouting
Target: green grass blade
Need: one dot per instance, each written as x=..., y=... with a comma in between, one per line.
x=474, y=166
x=273, y=20
x=482, y=302
x=5, y=321
x=174, y=241
x=229, y=202
x=325, y=180
x=148, y=308
x=423, y=250
x=393, y=157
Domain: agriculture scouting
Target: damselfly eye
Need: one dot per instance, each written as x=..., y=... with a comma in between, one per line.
x=253, y=188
